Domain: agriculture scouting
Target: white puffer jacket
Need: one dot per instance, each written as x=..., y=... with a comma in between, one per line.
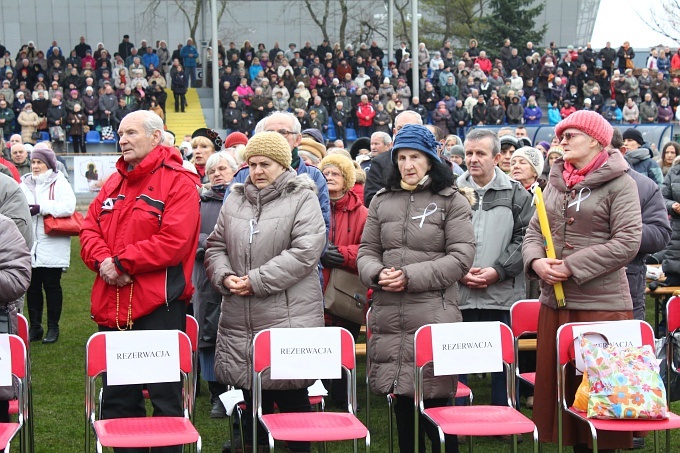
x=49, y=251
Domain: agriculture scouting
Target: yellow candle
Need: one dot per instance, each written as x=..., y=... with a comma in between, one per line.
x=547, y=237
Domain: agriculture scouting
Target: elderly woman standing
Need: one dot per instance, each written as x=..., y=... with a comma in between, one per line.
x=262, y=257
x=348, y=216
x=526, y=166
x=48, y=193
x=594, y=212
x=204, y=142
x=220, y=169
x=418, y=242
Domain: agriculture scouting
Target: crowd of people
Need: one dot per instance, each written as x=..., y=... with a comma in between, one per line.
x=278, y=211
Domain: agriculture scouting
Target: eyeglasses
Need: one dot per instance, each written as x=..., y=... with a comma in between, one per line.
x=569, y=135
x=285, y=132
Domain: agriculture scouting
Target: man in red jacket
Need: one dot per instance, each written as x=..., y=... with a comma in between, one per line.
x=140, y=236
x=365, y=114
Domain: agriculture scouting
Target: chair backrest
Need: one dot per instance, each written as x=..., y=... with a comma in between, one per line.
x=673, y=314
x=22, y=329
x=92, y=136
x=524, y=317
x=19, y=360
x=369, y=333
x=565, y=337
x=192, y=332
x=95, y=354
x=423, y=344
x=262, y=357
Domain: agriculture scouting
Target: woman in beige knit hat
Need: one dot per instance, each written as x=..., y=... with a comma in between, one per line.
x=262, y=256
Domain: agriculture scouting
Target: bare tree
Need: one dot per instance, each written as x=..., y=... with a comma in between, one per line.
x=191, y=10
x=664, y=18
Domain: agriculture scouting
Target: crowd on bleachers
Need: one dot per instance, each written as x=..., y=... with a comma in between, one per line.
x=334, y=89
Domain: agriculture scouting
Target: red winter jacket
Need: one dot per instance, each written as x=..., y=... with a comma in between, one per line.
x=147, y=218
x=365, y=114
x=348, y=216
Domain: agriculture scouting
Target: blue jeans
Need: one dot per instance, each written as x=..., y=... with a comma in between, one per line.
x=191, y=75
x=499, y=395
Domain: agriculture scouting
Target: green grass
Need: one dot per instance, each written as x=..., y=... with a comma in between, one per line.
x=59, y=383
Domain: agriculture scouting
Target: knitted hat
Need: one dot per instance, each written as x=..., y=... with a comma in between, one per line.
x=634, y=134
x=457, y=150
x=415, y=136
x=312, y=146
x=235, y=138
x=590, y=122
x=533, y=156
x=269, y=144
x=544, y=144
x=43, y=153
x=555, y=150
x=343, y=164
x=211, y=135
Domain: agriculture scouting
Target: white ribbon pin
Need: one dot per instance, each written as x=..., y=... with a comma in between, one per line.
x=580, y=198
x=253, y=231
x=428, y=211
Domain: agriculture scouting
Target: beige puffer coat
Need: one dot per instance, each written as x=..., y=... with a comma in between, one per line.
x=281, y=263
x=434, y=255
x=596, y=238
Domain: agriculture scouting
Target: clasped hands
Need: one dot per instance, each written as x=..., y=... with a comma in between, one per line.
x=392, y=280
x=551, y=270
x=109, y=273
x=239, y=286
x=480, y=277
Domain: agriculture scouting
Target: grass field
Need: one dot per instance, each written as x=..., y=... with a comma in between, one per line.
x=59, y=383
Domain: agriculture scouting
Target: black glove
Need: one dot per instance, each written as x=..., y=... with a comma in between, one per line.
x=332, y=257
x=200, y=254
x=34, y=208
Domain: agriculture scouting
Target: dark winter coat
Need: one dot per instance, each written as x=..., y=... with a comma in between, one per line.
x=433, y=255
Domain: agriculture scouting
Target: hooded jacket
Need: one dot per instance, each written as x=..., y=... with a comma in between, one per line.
x=642, y=161
x=596, y=238
x=500, y=218
x=280, y=258
x=146, y=218
x=671, y=194
x=434, y=253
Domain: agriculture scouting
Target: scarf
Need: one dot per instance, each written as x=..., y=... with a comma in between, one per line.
x=573, y=176
x=406, y=186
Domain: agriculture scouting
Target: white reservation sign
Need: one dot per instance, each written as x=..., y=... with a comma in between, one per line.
x=142, y=357
x=461, y=348
x=620, y=333
x=5, y=362
x=312, y=353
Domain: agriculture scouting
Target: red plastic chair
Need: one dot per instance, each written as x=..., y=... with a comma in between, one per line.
x=524, y=321
x=137, y=431
x=471, y=421
x=565, y=355
x=462, y=391
x=192, y=333
x=20, y=372
x=308, y=426
x=673, y=325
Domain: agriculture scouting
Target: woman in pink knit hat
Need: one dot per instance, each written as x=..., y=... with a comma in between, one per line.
x=594, y=214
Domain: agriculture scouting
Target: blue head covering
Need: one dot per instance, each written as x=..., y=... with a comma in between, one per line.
x=415, y=136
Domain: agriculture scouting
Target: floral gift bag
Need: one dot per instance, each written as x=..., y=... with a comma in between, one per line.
x=624, y=382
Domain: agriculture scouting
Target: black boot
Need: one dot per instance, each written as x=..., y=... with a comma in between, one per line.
x=52, y=335
x=35, y=333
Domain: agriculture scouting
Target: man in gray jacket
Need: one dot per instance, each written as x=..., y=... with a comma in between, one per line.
x=500, y=217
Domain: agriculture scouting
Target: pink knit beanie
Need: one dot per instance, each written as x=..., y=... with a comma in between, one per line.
x=592, y=123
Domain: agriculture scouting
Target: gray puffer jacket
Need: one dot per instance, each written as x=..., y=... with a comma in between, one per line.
x=279, y=254
x=434, y=252
x=15, y=277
